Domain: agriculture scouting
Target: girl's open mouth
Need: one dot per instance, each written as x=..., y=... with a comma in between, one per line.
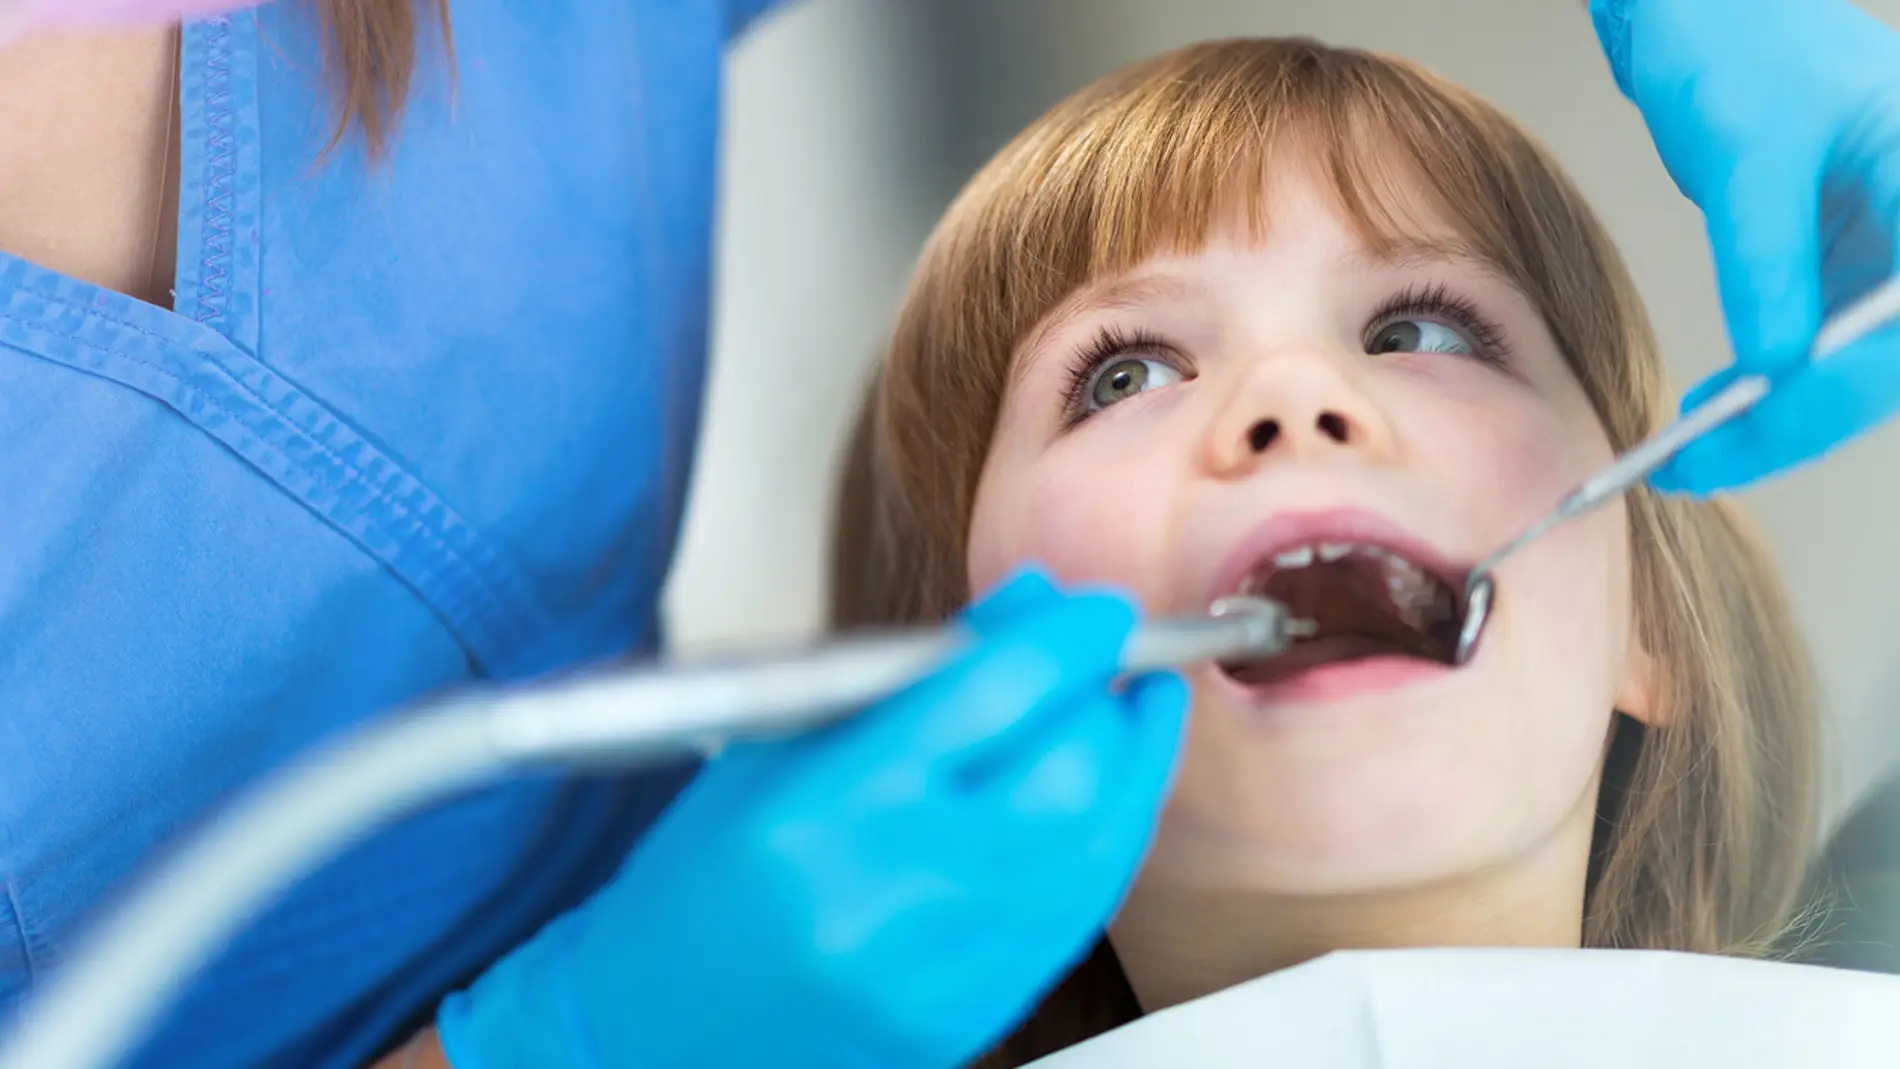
x=1373, y=607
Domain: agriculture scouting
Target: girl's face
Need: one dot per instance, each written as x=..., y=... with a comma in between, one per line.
x=1348, y=432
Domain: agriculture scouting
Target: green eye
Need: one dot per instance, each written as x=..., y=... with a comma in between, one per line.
x=1418, y=336
x=1118, y=380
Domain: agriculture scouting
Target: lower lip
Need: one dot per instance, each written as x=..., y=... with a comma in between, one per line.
x=1336, y=682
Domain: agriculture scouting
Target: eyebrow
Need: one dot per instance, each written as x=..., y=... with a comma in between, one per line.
x=1413, y=252
x=1121, y=294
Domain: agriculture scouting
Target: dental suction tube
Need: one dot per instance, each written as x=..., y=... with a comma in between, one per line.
x=135, y=962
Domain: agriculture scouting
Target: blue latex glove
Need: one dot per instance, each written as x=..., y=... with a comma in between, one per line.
x=1780, y=119
x=894, y=892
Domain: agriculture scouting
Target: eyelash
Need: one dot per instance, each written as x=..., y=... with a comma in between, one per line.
x=1110, y=343
x=1436, y=301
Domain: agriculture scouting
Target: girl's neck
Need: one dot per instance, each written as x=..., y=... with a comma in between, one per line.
x=1179, y=943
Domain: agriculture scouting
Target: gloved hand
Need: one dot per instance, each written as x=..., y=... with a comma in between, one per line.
x=893, y=892
x=1780, y=119
x=18, y=17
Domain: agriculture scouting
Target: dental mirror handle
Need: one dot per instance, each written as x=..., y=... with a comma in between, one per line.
x=1879, y=308
x=1635, y=466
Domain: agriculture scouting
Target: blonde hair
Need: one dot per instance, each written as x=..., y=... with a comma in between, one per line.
x=372, y=49
x=1705, y=823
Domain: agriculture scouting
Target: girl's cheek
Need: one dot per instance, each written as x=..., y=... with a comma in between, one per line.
x=1097, y=526
x=1512, y=466
x=1070, y=519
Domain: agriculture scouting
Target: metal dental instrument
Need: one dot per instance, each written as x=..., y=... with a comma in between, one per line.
x=130, y=967
x=1877, y=309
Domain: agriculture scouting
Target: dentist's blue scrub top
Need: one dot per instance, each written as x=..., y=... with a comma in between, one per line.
x=410, y=424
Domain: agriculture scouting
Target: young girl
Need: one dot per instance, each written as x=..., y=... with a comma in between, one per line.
x=1266, y=315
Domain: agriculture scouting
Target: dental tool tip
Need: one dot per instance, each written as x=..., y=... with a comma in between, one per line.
x=1274, y=630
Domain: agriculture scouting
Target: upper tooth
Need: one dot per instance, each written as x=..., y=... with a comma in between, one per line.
x=1294, y=558
x=1332, y=551
x=1400, y=568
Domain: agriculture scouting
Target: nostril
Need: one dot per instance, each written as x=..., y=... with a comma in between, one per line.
x=1263, y=434
x=1334, y=426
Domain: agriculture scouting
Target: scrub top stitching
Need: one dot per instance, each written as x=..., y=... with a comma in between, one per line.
x=485, y=603
x=244, y=416
x=219, y=175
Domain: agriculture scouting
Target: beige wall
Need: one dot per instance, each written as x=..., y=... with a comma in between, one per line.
x=826, y=153
x=852, y=121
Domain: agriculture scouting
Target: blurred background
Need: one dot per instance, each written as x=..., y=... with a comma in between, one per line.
x=852, y=123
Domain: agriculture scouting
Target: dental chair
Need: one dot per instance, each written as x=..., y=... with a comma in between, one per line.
x=1859, y=877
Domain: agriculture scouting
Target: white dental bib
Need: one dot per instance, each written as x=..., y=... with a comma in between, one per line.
x=1519, y=1009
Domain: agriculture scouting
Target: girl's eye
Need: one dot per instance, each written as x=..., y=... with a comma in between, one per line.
x=1118, y=380
x=1419, y=336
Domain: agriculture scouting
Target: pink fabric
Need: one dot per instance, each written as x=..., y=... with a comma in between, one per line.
x=21, y=16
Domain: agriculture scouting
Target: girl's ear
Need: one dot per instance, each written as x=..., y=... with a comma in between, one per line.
x=1636, y=695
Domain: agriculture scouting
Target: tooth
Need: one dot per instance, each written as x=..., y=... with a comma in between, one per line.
x=1408, y=594
x=1399, y=567
x=1332, y=551
x=1294, y=558
x=1410, y=589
